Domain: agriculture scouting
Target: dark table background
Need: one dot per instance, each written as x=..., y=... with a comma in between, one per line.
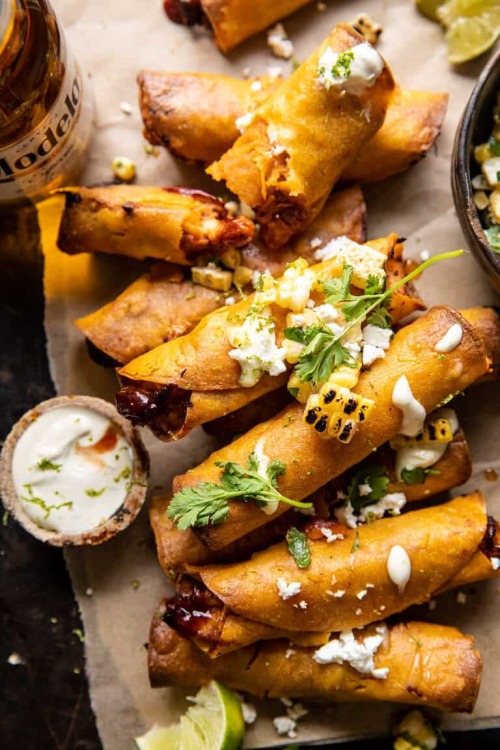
x=44, y=701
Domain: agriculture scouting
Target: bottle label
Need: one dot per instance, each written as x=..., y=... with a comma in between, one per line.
x=49, y=155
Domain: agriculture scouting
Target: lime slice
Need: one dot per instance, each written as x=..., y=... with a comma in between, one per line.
x=429, y=8
x=214, y=722
x=453, y=9
x=470, y=36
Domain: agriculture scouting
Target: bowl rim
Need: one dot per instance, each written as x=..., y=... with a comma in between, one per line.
x=461, y=176
x=120, y=519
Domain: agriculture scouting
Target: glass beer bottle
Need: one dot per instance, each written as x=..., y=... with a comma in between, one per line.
x=46, y=107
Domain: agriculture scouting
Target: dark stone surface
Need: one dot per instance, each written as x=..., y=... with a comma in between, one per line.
x=44, y=703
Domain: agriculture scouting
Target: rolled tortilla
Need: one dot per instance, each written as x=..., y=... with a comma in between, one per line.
x=194, y=116
x=312, y=462
x=192, y=380
x=348, y=583
x=232, y=21
x=173, y=224
x=449, y=682
x=176, y=549
x=300, y=140
x=165, y=304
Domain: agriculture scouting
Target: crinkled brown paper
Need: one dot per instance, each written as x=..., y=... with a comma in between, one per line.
x=113, y=40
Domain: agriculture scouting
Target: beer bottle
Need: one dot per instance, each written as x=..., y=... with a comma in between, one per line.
x=46, y=107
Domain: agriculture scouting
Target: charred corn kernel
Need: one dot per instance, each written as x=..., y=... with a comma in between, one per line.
x=336, y=411
x=495, y=205
x=437, y=430
x=302, y=320
x=266, y=290
x=479, y=183
x=415, y=732
x=299, y=390
x=293, y=350
x=491, y=170
x=242, y=276
x=482, y=152
x=123, y=168
x=294, y=289
x=212, y=278
x=481, y=200
x=364, y=25
x=230, y=258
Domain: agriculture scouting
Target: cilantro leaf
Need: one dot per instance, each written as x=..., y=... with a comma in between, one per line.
x=298, y=548
x=380, y=317
x=375, y=477
x=417, y=475
x=207, y=503
x=493, y=237
x=355, y=546
x=324, y=354
x=338, y=290
x=302, y=335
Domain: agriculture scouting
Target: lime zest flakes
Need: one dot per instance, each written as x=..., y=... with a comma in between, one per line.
x=31, y=498
x=45, y=464
x=95, y=493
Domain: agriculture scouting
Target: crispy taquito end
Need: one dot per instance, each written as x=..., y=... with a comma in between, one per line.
x=192, y=380
x=450, y=680
x=411, y=126
x=173, y=224
x=440, y=542
x=312, y=462
x=487, y=325
x=194, y=114
x=197, y=613
x=164, y=304
x=159, y=306
x=300, y=140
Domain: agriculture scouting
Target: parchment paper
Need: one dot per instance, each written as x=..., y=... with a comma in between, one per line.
x=113, y=41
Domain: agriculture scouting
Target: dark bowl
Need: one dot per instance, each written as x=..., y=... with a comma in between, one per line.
x=475, y=128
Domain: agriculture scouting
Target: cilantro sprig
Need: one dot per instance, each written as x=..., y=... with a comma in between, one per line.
x=324, y=351
x=207, y=503
x=417, y=475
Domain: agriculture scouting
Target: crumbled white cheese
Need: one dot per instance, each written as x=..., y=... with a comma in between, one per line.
x=413, y=412
x=391, y=503
x=450, y=340
x=461, y=598
x=232, y=207
x=352, y=70
x=399, y=567
x=289, y=653
x=327, y=313
x=284, y=725
x=256, y=85
x=376, y=341
x=303, y=604
x=15, y=660
x=249, y=712
x=286, y=701
x=287, y=590
x=365, y=260
x=357, y=653
x=495, y=563
x=338, y=594
x=279, y=43
x=359, y=611
x=330, y=536
x=255, y=349
x=126, y=108
x=315, y=243
x=275, y=71
x=244, y=121
x=230, y=300
x=361, y=594
x=364, y=490
x=424, y=255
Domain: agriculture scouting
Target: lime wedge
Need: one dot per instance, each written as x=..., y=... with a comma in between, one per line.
x=453, y=9
x=429, y=8
x=214, y=722
x=470, y=36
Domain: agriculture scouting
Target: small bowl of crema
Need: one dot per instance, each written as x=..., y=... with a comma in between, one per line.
x=73, y=472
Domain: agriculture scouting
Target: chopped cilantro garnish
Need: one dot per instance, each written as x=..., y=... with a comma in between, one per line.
x=298, y=547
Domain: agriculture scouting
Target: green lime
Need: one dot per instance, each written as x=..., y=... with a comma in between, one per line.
x=213, y=722
x=429, y=8
x=454, y=9
x=469, y=36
